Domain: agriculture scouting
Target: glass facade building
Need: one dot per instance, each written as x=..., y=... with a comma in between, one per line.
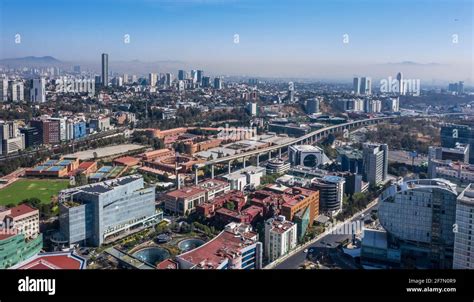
x=94, y=212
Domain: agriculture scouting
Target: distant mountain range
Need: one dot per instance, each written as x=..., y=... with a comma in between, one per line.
x=31, y=60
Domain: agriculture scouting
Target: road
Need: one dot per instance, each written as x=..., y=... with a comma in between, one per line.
x=329, y=240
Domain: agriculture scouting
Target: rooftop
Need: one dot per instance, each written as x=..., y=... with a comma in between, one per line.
x=228, y=244
x=54, y=260
x=21, y=210
x=186, y=192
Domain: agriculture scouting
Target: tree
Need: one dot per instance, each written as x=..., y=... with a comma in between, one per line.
x=229, y=206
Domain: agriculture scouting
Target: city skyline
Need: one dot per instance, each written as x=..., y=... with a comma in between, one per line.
x=383, y=39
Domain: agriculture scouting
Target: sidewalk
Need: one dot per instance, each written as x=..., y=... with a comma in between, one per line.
x=300, y=248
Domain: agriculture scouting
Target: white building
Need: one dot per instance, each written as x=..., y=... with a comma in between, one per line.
x=16, y=91
x=152, y=79
x=306, y=155
x=280, y=237
x=463, y=258
x=375, y=158
x=3, y=89
x=249, y=176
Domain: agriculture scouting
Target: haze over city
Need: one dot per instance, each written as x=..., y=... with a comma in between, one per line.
x=324, y=40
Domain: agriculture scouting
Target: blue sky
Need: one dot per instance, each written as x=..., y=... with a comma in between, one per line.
x=275, y=32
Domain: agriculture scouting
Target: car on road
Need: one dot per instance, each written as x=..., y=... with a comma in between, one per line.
x=305, y=251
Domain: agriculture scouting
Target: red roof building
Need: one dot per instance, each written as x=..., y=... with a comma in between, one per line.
x=55, y=260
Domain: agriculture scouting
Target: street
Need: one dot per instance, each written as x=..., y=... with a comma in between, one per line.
x=328, y=241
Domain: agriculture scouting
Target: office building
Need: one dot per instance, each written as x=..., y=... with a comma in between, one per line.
x=92, y=214
x=419, y=215
x=460, y=153
x=183, y=201
x=206, y=82
x=391, y=104
x=200, y=75
x=312, y=106
x=182, y=75
x=245, y=178
x=375, y=163
x=277, y=166
x=105, y=70
x=3, y=89
x=152, y=79
x=372, y=106
x=463, y=257
x=280, y=237
x=356, y=86
x=351, y=160
x=217, y=83
x=33, y=137
x=401, y=84
x=306, y=155
x=251, y=108
x=38, y=91
x=331, y=193
x=457, y=88
x=11, y=139
x=454, y=133
x=365, y=86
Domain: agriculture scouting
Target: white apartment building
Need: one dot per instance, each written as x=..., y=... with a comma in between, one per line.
x=280, y=237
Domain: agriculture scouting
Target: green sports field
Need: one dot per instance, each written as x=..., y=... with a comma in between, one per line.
x=28, y=188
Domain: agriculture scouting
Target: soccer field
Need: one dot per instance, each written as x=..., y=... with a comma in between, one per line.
x=26, y=188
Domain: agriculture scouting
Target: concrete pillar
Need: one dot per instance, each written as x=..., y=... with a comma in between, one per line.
x=212, y=171
x=229, y=166
x=269, y=155
x=279, y=153
x=244, y=162
x=258, y=160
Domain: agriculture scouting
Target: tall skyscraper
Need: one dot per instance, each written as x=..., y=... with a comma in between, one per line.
x=194, y=76
x=200, y=74
x=16, y=91
x=366, y=85
x=375, y=163
x=463, y=257
x=206, y=81
x=218, y=83
x=312, y=106
x=38, y=90
x=419, y=216
x=152, y=79
x=105, y=70
x=356, y=85
x=125, y=78
x=401, y=84
x=182, y=75
x=168, y=79
x=3, y=89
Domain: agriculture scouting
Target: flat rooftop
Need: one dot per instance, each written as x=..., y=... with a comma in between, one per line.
x=226, y=245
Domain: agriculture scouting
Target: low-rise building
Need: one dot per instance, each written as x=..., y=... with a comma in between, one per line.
x=184, y=200
x=22, y=218
x=236, y=247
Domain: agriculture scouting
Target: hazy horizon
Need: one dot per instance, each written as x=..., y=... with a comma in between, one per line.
x=301, y=39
